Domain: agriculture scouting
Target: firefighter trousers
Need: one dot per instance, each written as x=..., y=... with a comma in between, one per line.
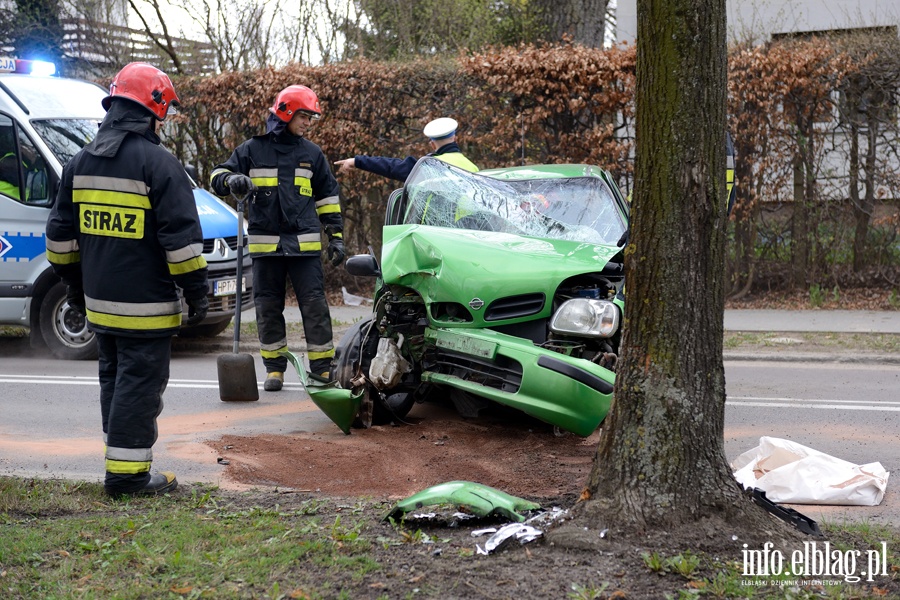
x=270, y=275
x=133, y=376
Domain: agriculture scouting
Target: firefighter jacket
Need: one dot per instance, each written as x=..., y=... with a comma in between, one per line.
x=296, y=197
x=125, y=229
x=400, y=168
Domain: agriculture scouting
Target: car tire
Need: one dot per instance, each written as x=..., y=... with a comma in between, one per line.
x=206, y=330
x=373, y=410
x=64, y=331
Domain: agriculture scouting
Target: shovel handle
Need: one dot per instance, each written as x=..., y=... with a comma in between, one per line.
x=238, y=299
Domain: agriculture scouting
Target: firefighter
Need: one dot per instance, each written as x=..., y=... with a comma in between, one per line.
x=441, y=134
x=124, y=232
x=295, y=198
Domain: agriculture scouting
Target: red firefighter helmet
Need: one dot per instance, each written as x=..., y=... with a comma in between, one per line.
x=146, y=85
x=296, y=98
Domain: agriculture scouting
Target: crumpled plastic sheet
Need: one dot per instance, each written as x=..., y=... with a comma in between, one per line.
x=523, y=532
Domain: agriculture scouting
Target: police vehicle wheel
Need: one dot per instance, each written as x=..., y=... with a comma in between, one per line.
x=64, y=331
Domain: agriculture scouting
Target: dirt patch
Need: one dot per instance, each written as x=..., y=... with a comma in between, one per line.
x=504, y=450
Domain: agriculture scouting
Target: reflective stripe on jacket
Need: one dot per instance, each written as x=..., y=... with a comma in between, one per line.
x=296, y=197
x=126, y=228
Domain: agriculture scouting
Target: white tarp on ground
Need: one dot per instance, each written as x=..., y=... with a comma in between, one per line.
x=794, y=474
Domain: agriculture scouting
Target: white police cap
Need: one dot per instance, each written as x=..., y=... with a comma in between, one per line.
x=441, y=128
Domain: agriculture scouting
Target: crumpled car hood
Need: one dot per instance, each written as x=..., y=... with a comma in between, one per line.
x=456, y=265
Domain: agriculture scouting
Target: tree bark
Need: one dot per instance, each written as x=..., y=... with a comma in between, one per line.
x=661, y=459
x=582, y=21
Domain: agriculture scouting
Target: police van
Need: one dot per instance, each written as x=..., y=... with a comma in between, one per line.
x=45, y=121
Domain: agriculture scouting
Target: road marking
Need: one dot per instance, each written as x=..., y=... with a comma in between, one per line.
x=820, y=404
x=199, y=384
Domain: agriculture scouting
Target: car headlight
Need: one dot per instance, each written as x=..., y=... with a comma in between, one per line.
x=586, y=317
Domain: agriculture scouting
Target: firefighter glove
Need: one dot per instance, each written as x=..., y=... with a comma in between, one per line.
x=197, y=309
x=239, y=184
x=336, y=251
x=75, y=299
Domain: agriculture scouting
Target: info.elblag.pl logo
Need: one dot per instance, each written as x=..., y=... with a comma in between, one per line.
x=816, y=560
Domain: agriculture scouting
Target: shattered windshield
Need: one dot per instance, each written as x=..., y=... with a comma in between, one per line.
x=580, y=209
x=65, y=137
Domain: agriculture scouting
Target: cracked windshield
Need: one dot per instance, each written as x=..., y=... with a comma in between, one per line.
x=580, y=209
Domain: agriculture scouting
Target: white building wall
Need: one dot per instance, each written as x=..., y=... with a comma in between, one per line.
x=757, y=20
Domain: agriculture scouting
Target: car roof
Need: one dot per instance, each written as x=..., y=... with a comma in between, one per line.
x=53, y=97
x=544, y=172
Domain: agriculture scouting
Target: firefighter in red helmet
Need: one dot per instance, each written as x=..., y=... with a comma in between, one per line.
x=295, y=200
x=124, y=208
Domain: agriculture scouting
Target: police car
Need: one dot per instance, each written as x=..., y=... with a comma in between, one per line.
x=45, y=121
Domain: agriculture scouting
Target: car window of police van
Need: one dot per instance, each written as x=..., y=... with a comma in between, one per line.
x=21, y=163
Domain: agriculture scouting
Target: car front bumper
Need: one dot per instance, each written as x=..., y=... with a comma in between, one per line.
x=571, y=393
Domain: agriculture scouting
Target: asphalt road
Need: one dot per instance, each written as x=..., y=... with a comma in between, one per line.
x=49, y=415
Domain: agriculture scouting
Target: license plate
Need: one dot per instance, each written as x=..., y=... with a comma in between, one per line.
x=227, y=287
x=467, y=345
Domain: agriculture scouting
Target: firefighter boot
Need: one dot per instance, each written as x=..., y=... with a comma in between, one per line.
x=320, y=370
x=274, y=381
x=158, y=484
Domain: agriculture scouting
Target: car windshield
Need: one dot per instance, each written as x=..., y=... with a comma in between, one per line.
x=65, y=137
x=580, y=209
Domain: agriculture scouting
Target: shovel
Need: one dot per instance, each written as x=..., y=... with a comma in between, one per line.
x=237, y=372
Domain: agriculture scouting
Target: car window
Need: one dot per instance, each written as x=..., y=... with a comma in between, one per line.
x=65, y=137
x=580, y=209
x=24, y=175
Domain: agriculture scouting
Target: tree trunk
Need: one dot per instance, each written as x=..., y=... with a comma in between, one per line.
x=661, y=459
x=583, y=21
x=799, y=228
x=864, y=207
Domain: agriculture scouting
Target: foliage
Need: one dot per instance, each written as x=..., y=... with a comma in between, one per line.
x=553, y=103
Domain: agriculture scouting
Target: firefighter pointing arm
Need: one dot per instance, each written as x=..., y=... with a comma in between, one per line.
x=295, y=200
x=123, y=233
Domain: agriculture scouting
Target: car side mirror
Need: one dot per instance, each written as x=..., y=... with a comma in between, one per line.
x=362, y=265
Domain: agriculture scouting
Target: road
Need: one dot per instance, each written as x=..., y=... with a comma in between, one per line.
x=49, y=417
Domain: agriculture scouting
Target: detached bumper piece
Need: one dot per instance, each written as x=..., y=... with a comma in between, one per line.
x=338, y=404
x=480, y=500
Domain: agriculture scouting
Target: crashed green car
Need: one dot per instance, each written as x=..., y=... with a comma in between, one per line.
x=503, y=286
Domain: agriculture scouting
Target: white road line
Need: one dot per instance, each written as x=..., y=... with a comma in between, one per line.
x=200, y=384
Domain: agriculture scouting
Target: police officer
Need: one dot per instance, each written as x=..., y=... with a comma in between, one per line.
x=295, y=198
x=123, y=233
x=442, y=139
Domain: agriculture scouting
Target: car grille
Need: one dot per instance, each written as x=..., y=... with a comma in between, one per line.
x=503, y=373
x=210, y=244
x=514, y=307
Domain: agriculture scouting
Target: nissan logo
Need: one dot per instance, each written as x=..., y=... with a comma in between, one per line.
x=476, y=303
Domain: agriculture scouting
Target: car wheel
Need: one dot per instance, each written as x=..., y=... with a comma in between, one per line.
x=207, y=330
x=348, y=355
x=64, y=331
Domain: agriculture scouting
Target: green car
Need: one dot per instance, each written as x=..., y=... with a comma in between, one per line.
x=500, y=286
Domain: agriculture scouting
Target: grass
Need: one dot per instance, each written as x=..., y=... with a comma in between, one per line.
x=874, y=343
x=62, y=540
x=69, y=540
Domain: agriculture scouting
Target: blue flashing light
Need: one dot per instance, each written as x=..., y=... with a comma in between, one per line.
x=42, y=67
x=26, y=67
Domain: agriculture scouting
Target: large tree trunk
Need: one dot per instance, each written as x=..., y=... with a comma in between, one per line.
x=661, y=459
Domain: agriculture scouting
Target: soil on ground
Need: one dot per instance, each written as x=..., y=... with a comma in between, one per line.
x=504, y=450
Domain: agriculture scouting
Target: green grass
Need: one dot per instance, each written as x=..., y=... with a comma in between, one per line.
x=68, y=540
x=874, y=343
